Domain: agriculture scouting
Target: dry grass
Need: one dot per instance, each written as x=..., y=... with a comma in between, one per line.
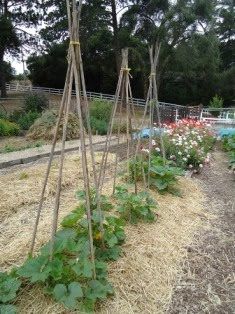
x=143, y=277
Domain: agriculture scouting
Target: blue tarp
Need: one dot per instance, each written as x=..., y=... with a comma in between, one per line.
x=225, y=132
x=146, y=132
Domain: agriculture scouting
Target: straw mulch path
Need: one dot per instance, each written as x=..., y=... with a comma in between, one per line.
x=153, y=254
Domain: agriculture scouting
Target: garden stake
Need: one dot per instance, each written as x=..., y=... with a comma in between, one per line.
x=74, y=37
x=50, y=160
x=59, y=180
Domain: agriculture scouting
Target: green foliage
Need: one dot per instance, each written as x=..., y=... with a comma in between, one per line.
x=8, y=128
x=8, y=148
x=163, y=175
x=216, y=102
x=68, y=295
x=36, y=102
x=8, y=309
x=9, y=286
x=98, y=126
x=101, y=110
x=229, y=146
x=135, y=207
x=3, y=115
x=100, y=113
x=24, y=119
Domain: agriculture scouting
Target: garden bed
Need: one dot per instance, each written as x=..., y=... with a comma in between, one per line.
x=143, y=277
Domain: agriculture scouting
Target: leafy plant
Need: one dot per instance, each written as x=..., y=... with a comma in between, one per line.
x=107, y=241
x=8, y=128
x=135, y=207
x=216, y=102
x=27, y=119
x=35, y=102
x=98, y=126
x=101, y=110
x=163, y=175
x=9, y=287
x=229, y=146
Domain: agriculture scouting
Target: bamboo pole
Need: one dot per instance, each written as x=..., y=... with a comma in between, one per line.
x=62, y=106
x=75, y=65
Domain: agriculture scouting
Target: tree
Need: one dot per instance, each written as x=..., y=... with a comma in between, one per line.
x=14, y=14
x=190, y=53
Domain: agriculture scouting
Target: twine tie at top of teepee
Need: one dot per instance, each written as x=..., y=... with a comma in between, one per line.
x=74, y=42
x=126, y=69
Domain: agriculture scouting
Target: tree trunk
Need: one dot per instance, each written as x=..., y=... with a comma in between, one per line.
x=2, y=76
x=115, y=35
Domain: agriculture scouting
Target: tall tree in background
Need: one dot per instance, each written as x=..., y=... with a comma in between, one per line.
x=15, y=15
x=183, y=27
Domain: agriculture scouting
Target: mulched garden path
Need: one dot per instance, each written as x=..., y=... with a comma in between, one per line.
x=207, y=284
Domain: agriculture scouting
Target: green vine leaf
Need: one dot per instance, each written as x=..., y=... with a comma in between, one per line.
x=8, y=309
x=8, y=287
x=68, y=295
x=83, y=268
x=98, y=290
x=35, y=269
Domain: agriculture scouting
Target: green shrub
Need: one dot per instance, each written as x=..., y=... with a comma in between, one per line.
x=44, y=127
x=27, y=119
x=3, y=115
x=216, y=102
x=98, y=126
x=36, y=102
x=8, y=128
x=101, y=110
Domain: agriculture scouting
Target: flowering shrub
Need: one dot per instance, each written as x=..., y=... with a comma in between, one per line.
x=188, y=143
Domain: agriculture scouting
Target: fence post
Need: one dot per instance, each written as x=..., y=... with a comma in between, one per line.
x=176, y=115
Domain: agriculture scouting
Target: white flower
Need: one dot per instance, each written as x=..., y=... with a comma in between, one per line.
x=157, y=149
x=190, y=166
x=201, y=166
x=179, y=153
x=184, y=159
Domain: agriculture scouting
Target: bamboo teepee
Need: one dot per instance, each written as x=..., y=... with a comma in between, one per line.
x=123, y=101
x=151, y=105
x=75, y=75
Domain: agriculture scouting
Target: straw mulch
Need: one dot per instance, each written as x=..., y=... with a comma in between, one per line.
x=143, y=277
x=23, y=187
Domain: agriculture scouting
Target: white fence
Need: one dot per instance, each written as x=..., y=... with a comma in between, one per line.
x=90, y=95
x=224, y=116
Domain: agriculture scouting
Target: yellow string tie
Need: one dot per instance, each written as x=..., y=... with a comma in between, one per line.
x=74, y=43
x=126, y=69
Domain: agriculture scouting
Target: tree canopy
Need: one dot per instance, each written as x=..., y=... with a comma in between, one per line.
x=196, y=36
x=15, y=17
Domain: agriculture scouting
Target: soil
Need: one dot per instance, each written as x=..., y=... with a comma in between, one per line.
x=207, y=284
